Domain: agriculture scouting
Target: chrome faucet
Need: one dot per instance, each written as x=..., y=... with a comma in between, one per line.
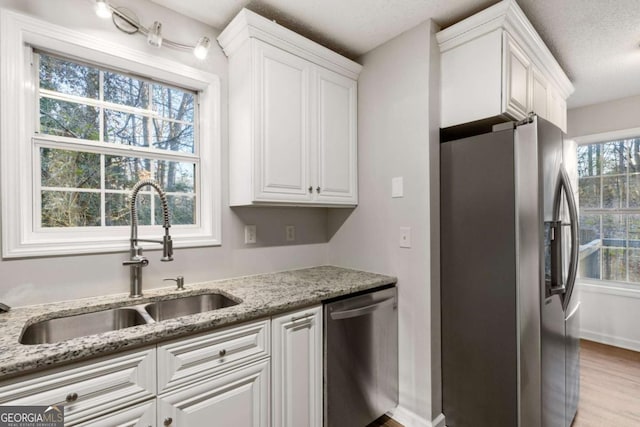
x=137, y=260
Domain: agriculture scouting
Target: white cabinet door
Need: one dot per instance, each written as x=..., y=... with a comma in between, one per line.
x=517, y=75
x=282, y=128
x=239, y=398
x=336, y=138
x=297, y=369
x=539, y=94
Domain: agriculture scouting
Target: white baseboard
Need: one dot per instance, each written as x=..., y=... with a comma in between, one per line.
x=610, y=340
x=410, y=419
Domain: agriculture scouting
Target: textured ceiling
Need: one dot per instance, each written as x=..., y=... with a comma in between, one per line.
x=595, y=41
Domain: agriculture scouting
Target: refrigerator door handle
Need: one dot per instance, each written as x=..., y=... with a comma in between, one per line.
x=575, y=244
x=558, y=286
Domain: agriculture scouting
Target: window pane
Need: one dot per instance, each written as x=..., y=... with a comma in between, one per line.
x=63, y=168
x=634, y=231
x=589, y=228
x=176, y=176
x=68, y=119
x=126, y=90
x=589, y=160
x=126, y=128
x=590, y=265
x=589, y=190
x=614, y=192
x=613, y=264
x=634, y=265
x=614, y=230
x=181, y=210
x=117, y=210
x=173, y=103
x=70, y=209
x=122, y=173
x=634, y=154
x=614, y=157
x=173, y=136
x=68, y=77
x=634, y=191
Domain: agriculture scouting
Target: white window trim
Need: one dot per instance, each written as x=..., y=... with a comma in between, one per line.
x=611, y=287
x=17, y=33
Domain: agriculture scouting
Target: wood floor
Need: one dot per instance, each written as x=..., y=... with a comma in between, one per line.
x=609, y=387
x=385, y=421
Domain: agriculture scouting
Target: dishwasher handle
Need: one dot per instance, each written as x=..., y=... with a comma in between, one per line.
x=361, y=311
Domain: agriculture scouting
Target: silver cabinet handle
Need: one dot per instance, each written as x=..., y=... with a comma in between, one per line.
x=168, y=421
x=222, y=352
x=360, y=311
x=318, y=190
x=310, y=189
x=71, y=397
x=304, y=316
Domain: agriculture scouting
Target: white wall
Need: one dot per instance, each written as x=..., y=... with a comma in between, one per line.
x=31, y=281
x=398, y=128
x=605, y=117
x=608, y=314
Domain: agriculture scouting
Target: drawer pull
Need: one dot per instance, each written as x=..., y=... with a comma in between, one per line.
x=304, y=316
x=71, y=397
x=222, y=353
x=168, y=421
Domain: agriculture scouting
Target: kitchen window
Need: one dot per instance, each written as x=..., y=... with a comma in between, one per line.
x=81, y=121
x=609, y=186
x=99, y=132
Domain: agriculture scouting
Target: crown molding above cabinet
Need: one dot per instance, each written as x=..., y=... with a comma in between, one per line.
x=496, y=66
x=292, y=117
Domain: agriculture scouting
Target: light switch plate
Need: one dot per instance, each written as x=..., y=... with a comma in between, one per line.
x=405, y=237
x=397, y=185
x=249, y=234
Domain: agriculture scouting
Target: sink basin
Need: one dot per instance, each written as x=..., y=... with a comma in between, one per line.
x=170, y=309
x=64, y=328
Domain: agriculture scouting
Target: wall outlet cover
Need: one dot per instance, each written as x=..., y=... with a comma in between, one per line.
x=290, y=233
x=405, y=237
x=249, y=234
x=397, y=187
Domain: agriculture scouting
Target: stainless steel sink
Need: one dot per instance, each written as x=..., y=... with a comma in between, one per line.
x=80, y=325
x=170, y=309
x=64, y=328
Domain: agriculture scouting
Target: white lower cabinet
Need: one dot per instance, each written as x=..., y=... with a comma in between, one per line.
x=221, y=378
x=239, y=398
x=296, y=353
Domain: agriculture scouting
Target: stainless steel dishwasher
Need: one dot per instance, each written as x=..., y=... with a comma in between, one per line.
x=360, y=358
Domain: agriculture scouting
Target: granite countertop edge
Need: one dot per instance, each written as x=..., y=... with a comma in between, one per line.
x=260, y=296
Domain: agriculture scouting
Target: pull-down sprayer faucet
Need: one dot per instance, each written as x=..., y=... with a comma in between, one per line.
x=137, y=260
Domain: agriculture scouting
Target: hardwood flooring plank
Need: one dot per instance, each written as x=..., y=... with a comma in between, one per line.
x=609, y=386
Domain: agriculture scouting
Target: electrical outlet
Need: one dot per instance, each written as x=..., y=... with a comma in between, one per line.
x=290, y=232
x=249, y=234
x=405, y=237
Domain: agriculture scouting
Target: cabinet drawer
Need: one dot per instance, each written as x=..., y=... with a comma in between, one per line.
x=186, y=360
x=141, y=415
x=88, y=389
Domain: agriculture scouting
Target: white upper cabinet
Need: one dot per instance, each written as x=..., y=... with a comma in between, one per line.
x=292, y=117
x=495, y=67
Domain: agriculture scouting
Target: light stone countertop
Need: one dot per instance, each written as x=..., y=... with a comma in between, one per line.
x=260, y=295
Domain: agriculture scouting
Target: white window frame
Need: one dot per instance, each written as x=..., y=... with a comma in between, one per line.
x=20, y=238
x=596, y=139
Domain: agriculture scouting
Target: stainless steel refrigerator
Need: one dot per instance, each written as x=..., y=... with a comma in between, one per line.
x=509, y=242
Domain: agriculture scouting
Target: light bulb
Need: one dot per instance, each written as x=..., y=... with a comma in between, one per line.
x=202, y=48
x=103, y=10
x=154, y=38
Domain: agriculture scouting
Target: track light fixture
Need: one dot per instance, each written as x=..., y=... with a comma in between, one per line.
x=127, y=22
